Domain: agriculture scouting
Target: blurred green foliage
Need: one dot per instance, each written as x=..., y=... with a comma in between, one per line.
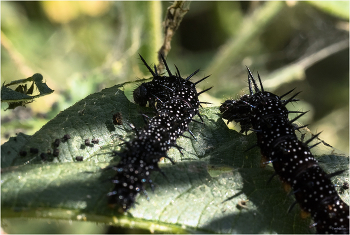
x=69, y=41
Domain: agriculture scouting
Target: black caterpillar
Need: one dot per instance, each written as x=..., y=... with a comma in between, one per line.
x=175, y=101
x=266, y=114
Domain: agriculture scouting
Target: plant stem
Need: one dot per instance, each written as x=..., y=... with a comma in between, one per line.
x=250, y=28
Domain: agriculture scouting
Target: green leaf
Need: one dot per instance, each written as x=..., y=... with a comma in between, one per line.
x=203, y=191
x=21, y=95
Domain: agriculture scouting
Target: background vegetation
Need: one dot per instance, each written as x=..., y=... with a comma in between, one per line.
x=82, y=47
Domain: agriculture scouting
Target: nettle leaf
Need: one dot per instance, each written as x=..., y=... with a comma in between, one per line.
x=22, y=95
x=216, y=187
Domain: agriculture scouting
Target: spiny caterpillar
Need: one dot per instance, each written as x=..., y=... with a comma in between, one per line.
x=266, y=114
x=175, y=101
